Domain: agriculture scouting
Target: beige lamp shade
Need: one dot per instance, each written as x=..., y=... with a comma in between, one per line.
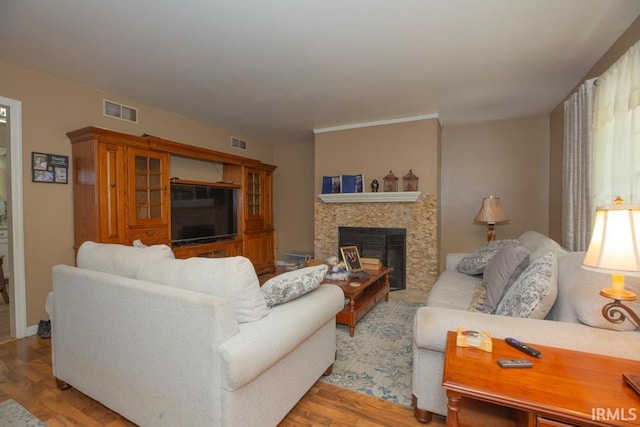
x=615, y=242
x=491, y=211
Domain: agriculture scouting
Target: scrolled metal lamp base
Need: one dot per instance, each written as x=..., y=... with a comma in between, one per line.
x=617, y=312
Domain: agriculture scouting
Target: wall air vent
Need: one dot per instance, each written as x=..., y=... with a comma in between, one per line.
x=238, y=143
x=119, y=111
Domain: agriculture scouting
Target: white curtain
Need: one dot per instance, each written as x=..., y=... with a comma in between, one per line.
x=616, y=132
x=577, y=206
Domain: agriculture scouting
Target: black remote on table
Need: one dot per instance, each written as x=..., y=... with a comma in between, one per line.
x=523, y=347
x=514, y=363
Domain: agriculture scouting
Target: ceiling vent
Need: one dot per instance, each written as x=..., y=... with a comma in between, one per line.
x=238, y=143
x=119, y=111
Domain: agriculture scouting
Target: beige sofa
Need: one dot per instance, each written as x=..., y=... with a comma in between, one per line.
x=574, y=321
x=167, y=342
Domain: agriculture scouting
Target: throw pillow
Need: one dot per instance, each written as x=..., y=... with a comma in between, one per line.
x=117, y=259
x=478, y=299
x=502, y=270
x=292, y=284
x=232, y=278
x=533, y=293
x=477, y=261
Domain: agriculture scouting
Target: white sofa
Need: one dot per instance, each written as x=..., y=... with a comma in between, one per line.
x=574, y=322
x=164, y=355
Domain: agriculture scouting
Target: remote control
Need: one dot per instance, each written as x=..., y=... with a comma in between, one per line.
x=523, y=347
x=515, y=363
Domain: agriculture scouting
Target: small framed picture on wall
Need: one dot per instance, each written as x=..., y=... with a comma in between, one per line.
x=49, y=168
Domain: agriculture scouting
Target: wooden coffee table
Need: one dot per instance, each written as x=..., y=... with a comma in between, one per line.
x=362, y=298
x=563, y=388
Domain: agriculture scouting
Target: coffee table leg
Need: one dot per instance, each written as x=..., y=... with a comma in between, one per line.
x=352, y=317
x=452, y=409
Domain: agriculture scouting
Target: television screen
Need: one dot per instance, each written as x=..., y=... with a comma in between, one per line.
x=202, y=213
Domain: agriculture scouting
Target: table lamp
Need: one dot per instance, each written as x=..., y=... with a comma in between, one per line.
x=491, y=213
x=615, y=248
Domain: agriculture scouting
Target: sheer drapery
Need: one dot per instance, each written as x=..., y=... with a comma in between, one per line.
x=616, y=131
x=577, y=206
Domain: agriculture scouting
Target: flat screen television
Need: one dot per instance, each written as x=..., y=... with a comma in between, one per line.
x=202, y=213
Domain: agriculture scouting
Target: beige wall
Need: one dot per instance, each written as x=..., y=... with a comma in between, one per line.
x=624, y=42
x=506, y=158
x=375, y=150
x=50, y=108
x=293, y=197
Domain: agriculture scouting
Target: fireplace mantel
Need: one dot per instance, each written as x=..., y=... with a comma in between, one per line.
x=398, y=196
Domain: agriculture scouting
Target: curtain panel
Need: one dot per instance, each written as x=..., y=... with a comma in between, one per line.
x=577, y=205
x=616, y=132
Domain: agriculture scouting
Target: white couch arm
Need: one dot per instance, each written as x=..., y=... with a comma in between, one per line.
x=261, y=344
x=432, y=323
x=453, y=259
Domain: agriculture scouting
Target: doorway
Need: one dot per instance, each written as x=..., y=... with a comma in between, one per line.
x=11, y=219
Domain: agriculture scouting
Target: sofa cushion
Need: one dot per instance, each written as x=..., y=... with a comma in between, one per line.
x=533, y=293
x=502, y=270
x=453, y=290
x=292, y=284
x=475, y=262
x=232, y=278
x=117, y=259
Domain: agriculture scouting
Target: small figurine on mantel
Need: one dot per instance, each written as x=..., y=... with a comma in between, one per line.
x=410, y=181
x=374, y=186
x=390, y=182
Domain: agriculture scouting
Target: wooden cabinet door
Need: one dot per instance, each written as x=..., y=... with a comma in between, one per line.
x=148, y=188
x=258, y=247
x=111, y=193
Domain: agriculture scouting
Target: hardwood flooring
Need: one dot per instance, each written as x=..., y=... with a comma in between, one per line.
x=26, y=377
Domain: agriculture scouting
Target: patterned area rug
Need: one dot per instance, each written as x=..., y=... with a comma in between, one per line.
x=377, y=360
x=14, y=415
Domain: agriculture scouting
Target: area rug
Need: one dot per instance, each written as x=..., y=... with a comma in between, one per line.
x=377, y=360
x=14, y=415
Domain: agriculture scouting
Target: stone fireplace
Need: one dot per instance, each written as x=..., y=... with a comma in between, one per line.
x=418, y=218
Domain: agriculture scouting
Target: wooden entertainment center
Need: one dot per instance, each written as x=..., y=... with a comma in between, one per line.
x=121, y=194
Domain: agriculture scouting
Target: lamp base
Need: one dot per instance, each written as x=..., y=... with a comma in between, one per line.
x=618, y=295
x=491, y=232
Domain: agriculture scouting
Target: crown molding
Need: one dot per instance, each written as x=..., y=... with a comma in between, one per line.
x=376, y=123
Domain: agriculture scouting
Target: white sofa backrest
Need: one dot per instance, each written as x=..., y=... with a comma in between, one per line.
x=232, y=278
x=117, y=259
x=537, y=244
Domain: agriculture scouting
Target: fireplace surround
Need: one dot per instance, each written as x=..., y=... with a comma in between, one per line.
x=419, y=218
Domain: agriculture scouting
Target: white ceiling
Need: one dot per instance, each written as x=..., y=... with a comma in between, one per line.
x=280, y=68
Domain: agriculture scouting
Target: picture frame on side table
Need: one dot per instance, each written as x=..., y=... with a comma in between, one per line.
x=351, y=258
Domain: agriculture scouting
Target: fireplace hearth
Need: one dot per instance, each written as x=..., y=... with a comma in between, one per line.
x=386, y=244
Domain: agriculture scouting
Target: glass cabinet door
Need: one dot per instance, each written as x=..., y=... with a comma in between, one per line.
x=149, y=174
x=254, y=194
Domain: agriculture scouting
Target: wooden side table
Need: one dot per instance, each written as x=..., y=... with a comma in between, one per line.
x=362, y=298
x=563, y=388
